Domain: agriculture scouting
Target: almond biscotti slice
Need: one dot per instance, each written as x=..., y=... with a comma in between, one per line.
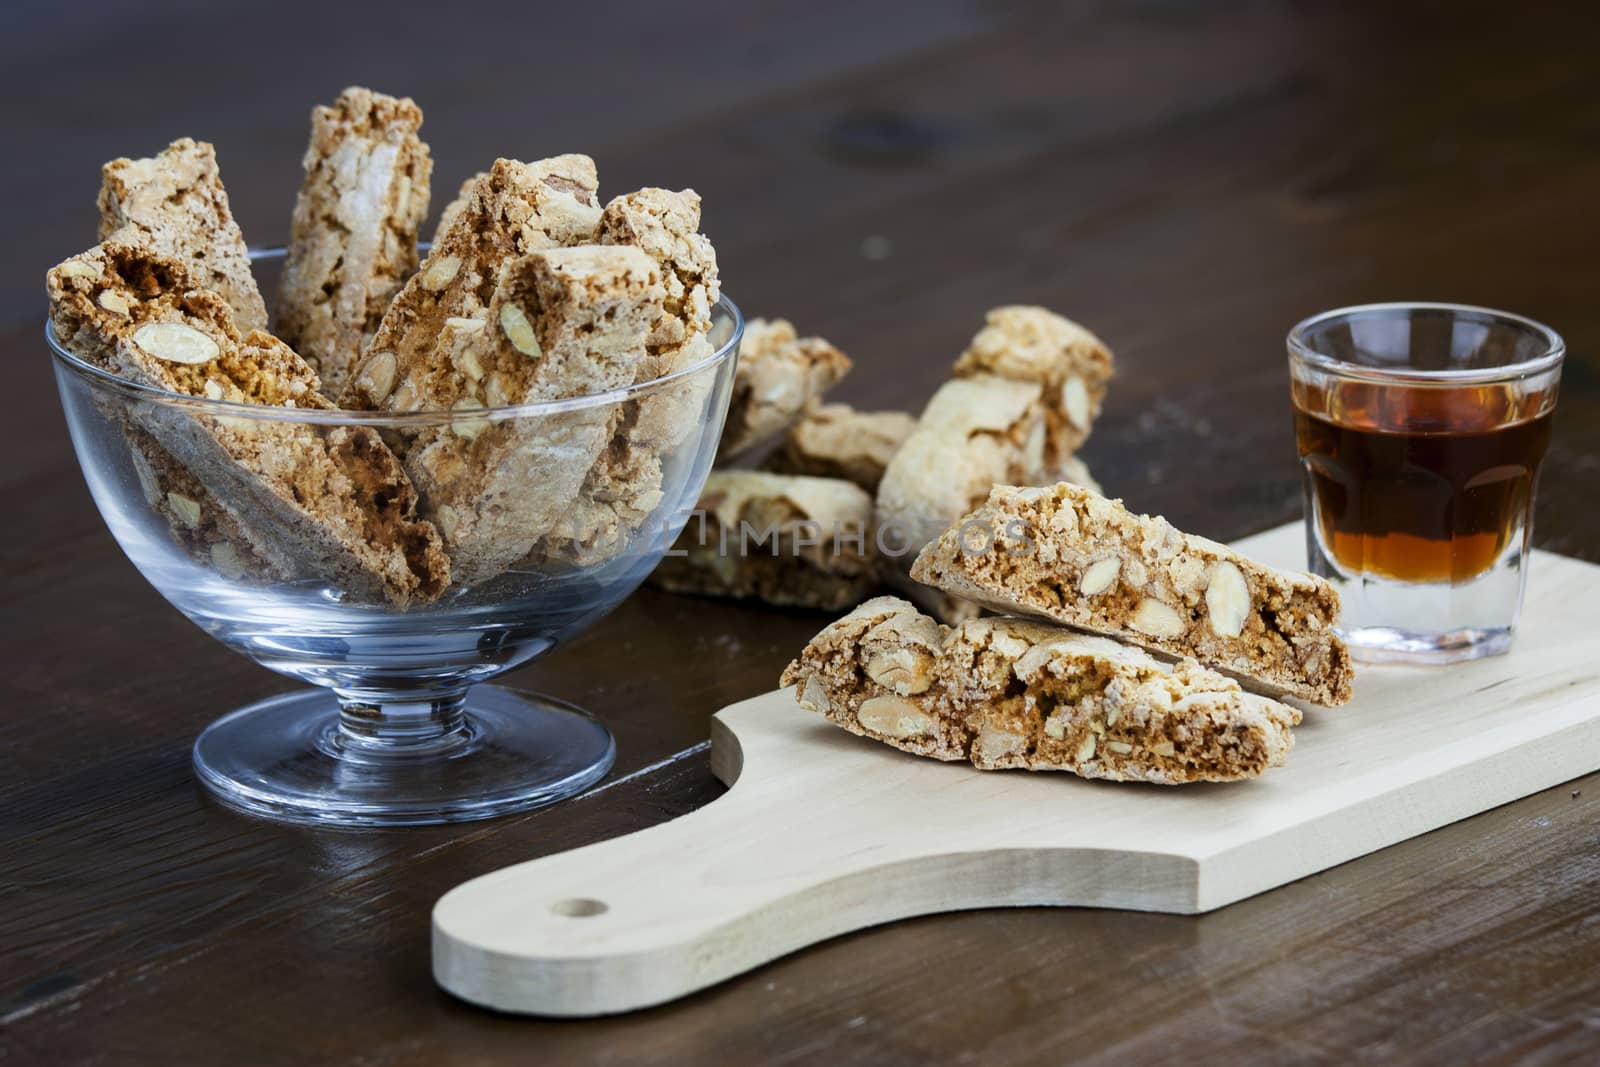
x=562, y=323
x=635, y=471
x=665, y=225
x=1044, y=697
x=785, y=539
x=323, y=502
x=1034, y=344
x=874, y=672
x=515, y=209
x=207, y=531
x=1078, y=558
x=1014, y=693
x=975, y=433
x=837, y=441
x=175, y=204
x=353, y=237
x=779, y=374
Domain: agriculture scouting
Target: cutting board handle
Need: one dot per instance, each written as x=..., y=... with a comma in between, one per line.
x=649, y=916
x=797, y=851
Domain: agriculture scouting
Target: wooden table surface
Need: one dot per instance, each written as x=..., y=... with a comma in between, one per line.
x=1189, y=180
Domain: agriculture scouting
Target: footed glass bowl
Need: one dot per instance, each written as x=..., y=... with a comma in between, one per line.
x=399, y=729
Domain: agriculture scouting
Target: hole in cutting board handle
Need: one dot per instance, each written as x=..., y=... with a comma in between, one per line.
x=580, y=907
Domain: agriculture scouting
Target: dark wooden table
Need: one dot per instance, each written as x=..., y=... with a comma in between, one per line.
x=1187, y=179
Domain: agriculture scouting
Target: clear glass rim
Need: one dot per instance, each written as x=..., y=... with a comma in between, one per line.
x=104, y=379
x=1550, y=358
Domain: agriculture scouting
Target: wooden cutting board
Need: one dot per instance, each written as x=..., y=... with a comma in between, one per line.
x=824, y=833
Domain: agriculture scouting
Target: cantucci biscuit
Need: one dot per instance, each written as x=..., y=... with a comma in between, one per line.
x=1075, y=557
x=1015, y=693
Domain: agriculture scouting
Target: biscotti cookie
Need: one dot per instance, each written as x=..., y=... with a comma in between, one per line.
x=562, y=323
x=1046, y=698
x=975, y=433
x=1070, y=364
x=353, y=238
x=326, y=502
x=1074, y=556
x=779, y=374
x=837, y=441
x=174, y=204
x=515, y=209
x=874, y=673
x=198, y=522
x=628, y=480
x=1013, y=693
x=665, y=225
x=619, y=494
x=785, y=539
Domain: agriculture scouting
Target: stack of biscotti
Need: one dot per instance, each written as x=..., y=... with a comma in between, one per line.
x=1023, y=398
x=324, y=502
x=1014, y=693
x=515, y=304
x=1133, y=662
x=168, y=300
x=534, y=291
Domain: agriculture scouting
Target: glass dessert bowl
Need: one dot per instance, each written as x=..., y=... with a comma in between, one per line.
x=399, y=728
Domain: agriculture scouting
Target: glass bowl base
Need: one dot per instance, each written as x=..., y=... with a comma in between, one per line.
x=291, y=758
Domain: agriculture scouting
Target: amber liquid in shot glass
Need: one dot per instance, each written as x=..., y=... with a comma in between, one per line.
x=1420, y=484
x=1421, y=428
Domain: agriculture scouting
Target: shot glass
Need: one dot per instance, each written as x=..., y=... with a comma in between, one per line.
x=1421, y=428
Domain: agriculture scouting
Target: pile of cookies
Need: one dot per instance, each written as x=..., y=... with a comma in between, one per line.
x=1120, y=652
x=534, y=290
x=848, y=497
x=1120, y=648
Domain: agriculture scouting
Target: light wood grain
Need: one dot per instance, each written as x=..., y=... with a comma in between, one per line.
x=823, y=833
